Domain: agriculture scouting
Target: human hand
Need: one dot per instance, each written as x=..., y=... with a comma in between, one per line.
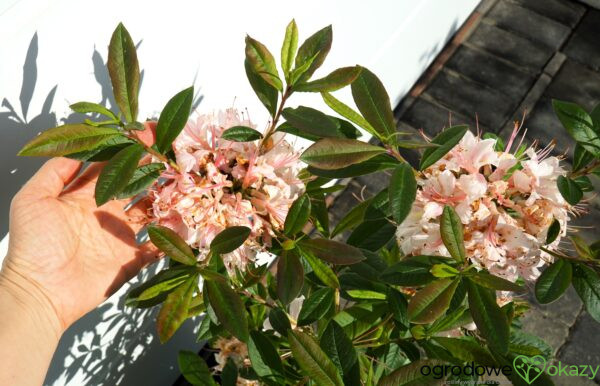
x=64, y=249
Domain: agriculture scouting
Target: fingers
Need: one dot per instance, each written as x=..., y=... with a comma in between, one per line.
x=52, y=177
x=86, y=182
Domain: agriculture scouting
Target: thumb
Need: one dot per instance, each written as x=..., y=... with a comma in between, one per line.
x=52, y=177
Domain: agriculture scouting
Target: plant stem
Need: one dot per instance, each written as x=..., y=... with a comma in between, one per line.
x=285, y=95
x=153, y=152
x=586, y=170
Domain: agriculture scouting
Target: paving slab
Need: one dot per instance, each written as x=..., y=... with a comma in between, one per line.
x=565, y=12
x=582, y=348
x=432, y=118
x=584, y=45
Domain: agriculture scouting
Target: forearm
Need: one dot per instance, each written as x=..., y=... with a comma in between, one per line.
x=29, y=331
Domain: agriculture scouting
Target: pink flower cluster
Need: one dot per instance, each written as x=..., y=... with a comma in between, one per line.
x=506, y=204
x=223, y=183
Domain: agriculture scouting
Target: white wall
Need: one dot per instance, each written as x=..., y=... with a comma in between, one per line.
x=51, y=55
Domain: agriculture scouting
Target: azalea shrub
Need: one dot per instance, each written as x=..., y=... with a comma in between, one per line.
x=432, y=270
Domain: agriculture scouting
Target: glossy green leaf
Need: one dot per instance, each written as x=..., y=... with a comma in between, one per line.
x=289, y=47
x=262, y=62
x=451, y=231
x=230, y=373
x=466, y=349
x=398, y=306
x=488, y=317
x=117, y=173
x=553, y=231
x=373, y=102
x=264, y=357
x=156, y=284
x=314, y=50
x=297, y=215
x=432, y=301
x=335, y=153
x=578, y=124
x=321, y=269
x=312, y=122
x=319, y=215
x=241, y=134
x=142, y=178
x=332, y=251
x=569, y=189
x=171, y=244
x=497, y=283
x=124, y=72
x=412, y=271
x=348, y=113
x=352, y=218
x=67, y=139
x=332, y=82
x=229, y=239
x=194, y=369
x=312, y=360
x=587, y=285
x=581, y=247
x=173, y=118
x=316, y=306
x=228, y=306
x=380, y=206
x=372, y=235
x=339, y=348
x=279, y=321
x=90, y=107
x=554, y=281
x=402, y=191
x=581, y=157
x=411, y=375
x=290, y=277
x=164, y=287
x=446, y=140
x=444, y=270
x=266, y=93
x=372, y=165
x=175, y=309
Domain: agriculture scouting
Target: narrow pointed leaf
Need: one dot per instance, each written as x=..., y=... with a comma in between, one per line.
x=496, y=283
x=411, y=375
x=569, y=189
x=332, y=82
x=117, y=173
x=290, y=277
x=402, y=191
x=446, y=140
x=142, y=178
x=171, y=244
x=579, y=125
x=316, y=306
x=451, y=230
x=313, y=122
x=336, y=344
x=554, y=281
x=432, y=301
x=67, y=139
x=373, y=102
x=229, y=239
x=587, y=285
x=124, y=72
x=348, y=113
x=173, y=119
x=335, y=153
x=175, y=309
x=332, y=251
x=262, y=62
x=228, y=307
x=321, y=270
x=297, y=215
x=194, y=369
x=312, y=360
x=314, y=50
x=264, y=357
x=266, y=93
x=553, y=231
x=90, y=107
x=289, y=47
x=489, y=318
x=241, y=134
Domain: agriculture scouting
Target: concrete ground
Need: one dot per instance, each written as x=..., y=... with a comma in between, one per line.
x=511, y=57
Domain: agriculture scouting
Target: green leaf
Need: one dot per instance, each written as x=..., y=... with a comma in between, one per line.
x=497, y=283
x=365, y=294
x=578, y=124
x=584, y=183
x=321, y=270
x=488, y=317
x=352, y=218
x=90, y=107
x=332, y=82
x=316, y=306
x=569, y=189
x=262, y=62
x=338, y=347
x=411, y=375
x=290, y=277
x=466, y=349
x=313, y=122
x=117, y=173
x=279, y=321
x=264, y=357
x=581, y=247
x=372, y=235
x=581, y=157
x=319, y=214
x=553, y=231
x=554, y=281
x=432, y=301
x=402, y=191
x=332, y=251
x=288, y=49
x=124, y=72
x=266, y=93
x=335, y=153
x=175, y=309
x=372, y=165
x=297, y=215
x=104, y=152
x=374, y=103
x=446, y=140
x=380, y=206
x=171, y=244
x=143, y=177
x=194, y=369
x=348, y=113
x=241, y=134
x=314, y=50
x=444, y=270
x=587, y=285
x=173, y=118
x=398, y=306
x=451, y=230
x=230, y=373
x=164, y=287
x=412, y=271
x=229, y=239
x=158, y=283
x=312, y=360
x=228, y=306
x=67, y=139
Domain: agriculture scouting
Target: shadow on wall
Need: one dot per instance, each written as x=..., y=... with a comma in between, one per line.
x=113, y=344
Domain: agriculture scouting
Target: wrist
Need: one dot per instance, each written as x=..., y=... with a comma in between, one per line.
x=27, y=300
